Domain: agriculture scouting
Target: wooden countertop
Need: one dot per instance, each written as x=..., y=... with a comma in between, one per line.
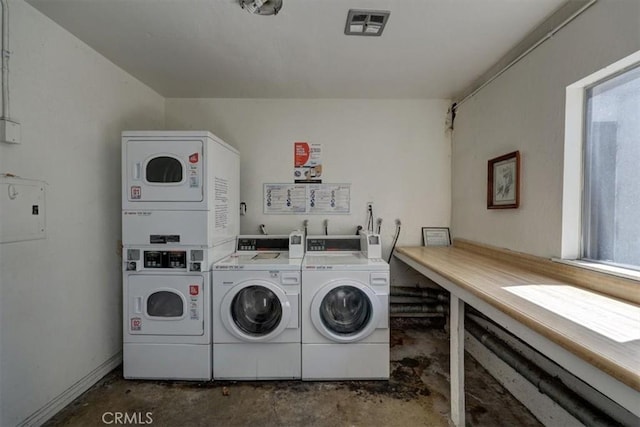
x=603, y=330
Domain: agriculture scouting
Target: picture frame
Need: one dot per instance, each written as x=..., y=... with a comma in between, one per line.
x=503, y=181
x=436, y=236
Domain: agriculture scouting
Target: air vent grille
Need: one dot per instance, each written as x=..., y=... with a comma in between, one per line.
x=366, y=22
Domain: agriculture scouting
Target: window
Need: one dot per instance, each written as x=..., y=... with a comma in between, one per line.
x=601, y=194
x=611, y=198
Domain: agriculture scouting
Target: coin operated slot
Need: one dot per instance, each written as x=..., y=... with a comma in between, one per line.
x=195, y=266
x=197, y=255
x=133, y=254
x=132, y=266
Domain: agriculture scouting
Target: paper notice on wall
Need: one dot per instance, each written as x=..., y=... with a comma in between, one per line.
x=303, y=199
x=329, y=199
x=284, y=199
x=307, y=162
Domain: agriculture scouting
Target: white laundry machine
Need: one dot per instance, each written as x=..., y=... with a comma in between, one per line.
x=256, y=316
x=179, y=187
x=167, y=313
x=345, y=309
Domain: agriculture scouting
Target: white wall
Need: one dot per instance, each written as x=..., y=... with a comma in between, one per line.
x=395, y=153
x=524, y=110
x=60, y=299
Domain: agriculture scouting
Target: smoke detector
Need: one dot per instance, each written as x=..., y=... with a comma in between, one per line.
x=366, y=22
x=261, y=7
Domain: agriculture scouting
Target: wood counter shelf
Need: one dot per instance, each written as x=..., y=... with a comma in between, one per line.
x=553, y=307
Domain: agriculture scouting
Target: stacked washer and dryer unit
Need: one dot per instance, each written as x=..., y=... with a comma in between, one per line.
x=180, y=198
x=194, y=309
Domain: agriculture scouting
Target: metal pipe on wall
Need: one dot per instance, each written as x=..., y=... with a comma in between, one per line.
x=555, y=389
x=406, y=291
x=5, y=58
x=546, y=37
x=418, y=308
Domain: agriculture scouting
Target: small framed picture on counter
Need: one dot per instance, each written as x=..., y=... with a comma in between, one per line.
x=436, y=236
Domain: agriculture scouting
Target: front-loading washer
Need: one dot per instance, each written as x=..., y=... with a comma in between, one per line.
x=345, y=309
x=256, y=317
x=167, y=313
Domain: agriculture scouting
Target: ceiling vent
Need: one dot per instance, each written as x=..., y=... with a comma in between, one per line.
x=366, y=22
x=262, y=7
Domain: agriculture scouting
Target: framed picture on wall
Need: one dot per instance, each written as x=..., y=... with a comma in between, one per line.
x=503, y=184
x=436, y=236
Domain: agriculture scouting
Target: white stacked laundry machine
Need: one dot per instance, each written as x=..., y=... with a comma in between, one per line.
x=180, y=198
x=256, y=315
x=345, y=308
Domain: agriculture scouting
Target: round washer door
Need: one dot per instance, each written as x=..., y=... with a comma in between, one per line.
x=255, y=310
x=345, y=311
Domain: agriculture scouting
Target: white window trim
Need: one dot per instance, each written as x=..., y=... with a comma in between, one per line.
x=572, y=190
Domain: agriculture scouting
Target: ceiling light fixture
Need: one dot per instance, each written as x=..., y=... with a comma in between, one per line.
x=261, y=7
x=366, y=22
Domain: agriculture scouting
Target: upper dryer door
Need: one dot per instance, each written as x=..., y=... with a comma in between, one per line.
x=164, y=171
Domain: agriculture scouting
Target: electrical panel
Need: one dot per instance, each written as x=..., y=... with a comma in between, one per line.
x=22, y=209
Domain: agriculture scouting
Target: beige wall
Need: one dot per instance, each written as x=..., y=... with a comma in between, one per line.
x=60, y=301
x=395, y=153
x=524, y=110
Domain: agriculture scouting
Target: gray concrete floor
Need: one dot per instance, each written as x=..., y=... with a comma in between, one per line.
x=417, y=394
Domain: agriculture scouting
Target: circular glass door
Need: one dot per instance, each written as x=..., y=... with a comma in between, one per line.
x=346, y=311
x=255, y=310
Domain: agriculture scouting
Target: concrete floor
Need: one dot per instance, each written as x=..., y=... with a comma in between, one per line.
x=416, y=394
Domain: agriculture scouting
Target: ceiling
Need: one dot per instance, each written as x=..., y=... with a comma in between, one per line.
x=214, y=49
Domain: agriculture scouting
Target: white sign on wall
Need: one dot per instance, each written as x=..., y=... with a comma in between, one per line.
x=307, y=199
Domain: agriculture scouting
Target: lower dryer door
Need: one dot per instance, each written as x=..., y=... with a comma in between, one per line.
x=346, y=311
x=165, y=305
x=257, y=310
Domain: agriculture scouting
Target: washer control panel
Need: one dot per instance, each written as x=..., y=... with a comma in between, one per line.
x=263, y=243
x=333, y=243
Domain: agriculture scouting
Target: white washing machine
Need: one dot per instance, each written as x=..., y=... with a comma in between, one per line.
x=167, y=313
x=345, y=309
x=179, y=187
x=256, y=316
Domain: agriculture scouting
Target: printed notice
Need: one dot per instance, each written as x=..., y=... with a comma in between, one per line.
x=307, y=163
x=284, y=199
x=221, y=204
x=314, y=199
x=329, y=198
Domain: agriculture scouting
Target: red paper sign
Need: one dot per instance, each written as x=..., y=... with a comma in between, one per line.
x=301, y=153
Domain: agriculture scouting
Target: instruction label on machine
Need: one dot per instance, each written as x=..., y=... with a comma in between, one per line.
x=221, y=205
x=315, y=199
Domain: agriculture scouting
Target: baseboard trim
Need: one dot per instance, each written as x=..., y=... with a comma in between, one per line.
x=40, y=416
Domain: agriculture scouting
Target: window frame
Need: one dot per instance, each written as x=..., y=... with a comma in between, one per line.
x=574, y=157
